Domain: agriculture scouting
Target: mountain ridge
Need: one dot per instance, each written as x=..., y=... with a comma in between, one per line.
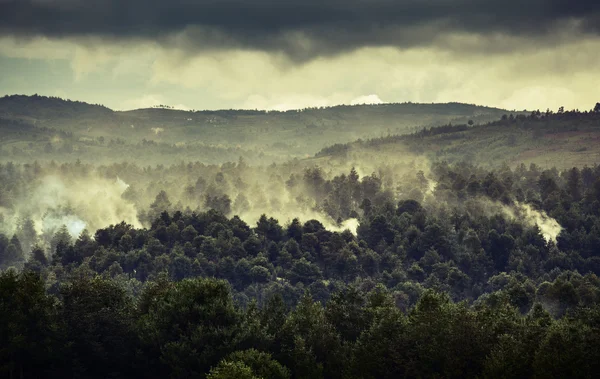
x=88, y=130
x=55, y=100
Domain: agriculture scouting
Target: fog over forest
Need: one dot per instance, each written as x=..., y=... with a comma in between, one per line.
x=84, y=197
x=300, y=189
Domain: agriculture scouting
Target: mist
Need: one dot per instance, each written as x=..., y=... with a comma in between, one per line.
x=329, y=190
x=299, y=189
x=79, y=203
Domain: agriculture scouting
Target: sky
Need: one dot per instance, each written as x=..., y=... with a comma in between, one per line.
x=285, y=54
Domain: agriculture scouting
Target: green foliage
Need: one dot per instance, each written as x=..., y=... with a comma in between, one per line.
x=29, y=327
x=231, y=370
x=193, y=328
x=446, y=276
x=262, y=364
x=98, y=320
x=191, y=325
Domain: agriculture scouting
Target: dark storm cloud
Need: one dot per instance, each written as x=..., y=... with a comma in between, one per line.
x=301, y=28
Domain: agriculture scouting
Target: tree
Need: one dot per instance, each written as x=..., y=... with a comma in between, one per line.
x=189, y=233
x=13, y=256
x=579, y=360
x=410, y=206
x=383, y=350
x=305, y=272
x=189, y=326
x=269, y=228
x=574, y=184
x=180, y=268
x=273, y=316
x=62, y=248
x=259, y=274
x=500, y=247
x=438, y=326
x=231, y=370
x=161, y=204
x=27, y=234
x=61, y=237
x=310, y=343
x=29, y=328
x=262, y=364
x=221, y=204
x=345, y=311
x=99, y=328
x=379, y=229
x=37, y=260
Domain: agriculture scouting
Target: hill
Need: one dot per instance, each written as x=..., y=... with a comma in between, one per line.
x=563, y=139
x=86, y=130
x=45, y=108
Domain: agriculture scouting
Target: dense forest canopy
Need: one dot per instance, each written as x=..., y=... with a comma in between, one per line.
x=413, y=255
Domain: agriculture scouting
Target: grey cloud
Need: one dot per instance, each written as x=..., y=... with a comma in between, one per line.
x=302, y=29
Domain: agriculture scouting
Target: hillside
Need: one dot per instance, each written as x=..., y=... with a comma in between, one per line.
x=47, y=109
x=559, y=140
x=83, y=131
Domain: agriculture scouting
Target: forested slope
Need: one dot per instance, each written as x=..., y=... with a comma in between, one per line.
x=564, y=139
x=90, y=133
x=423, y=255
x=519, y=247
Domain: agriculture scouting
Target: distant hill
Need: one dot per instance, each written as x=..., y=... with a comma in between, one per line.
x=48, y=108
x=265, y=135
x=563, y=140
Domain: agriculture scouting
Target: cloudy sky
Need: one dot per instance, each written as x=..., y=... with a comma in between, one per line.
x=281, y=54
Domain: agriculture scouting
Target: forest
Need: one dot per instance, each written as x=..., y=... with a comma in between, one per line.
x=369, y=260
x=51, y=128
